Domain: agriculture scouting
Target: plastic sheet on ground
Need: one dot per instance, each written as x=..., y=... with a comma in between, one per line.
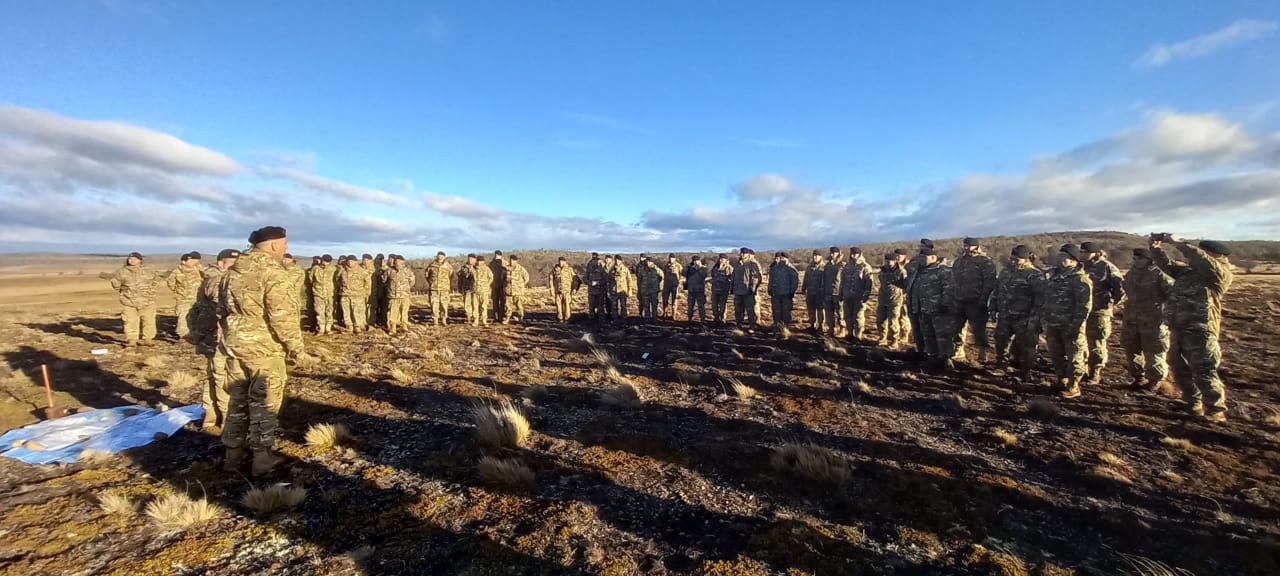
x=106, y=430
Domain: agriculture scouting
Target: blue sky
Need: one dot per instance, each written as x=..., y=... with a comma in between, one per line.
x=473, y=125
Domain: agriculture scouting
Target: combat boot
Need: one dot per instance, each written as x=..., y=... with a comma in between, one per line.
x=234, y=459
x=264, y=461
x=1073, y=389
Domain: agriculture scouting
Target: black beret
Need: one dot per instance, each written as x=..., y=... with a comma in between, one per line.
x=194, y=255
x=471, y=255
x=497, y=252
x=644, y=256
x=697, y=258
x=563, y=259
x=817, y=253
x=1142, y=253
x=835, y=250
x=723, y=255
x=595, y=254
x=1071, y=250
x=288, y=255
x=327, y=258
x=370, y=256
x=899, y=251
x=749, y=251
x=783, y=254
x=1021, y=251
x=380, y=257
x=970, y=241
x=743, y=250
x=228, y=253
x=137, y=255
x=855, y=250
x=266, y=234
x=514, y=257
x=1215, y=247
x=1090, y=247
x=926, y=242
x=928, y=251
x=671, y=255
x=890, y=256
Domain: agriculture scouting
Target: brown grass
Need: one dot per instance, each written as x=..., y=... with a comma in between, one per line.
x=624, y=395
x=1111, y=474
x=155, y=361
x=742, y=390
x=1108, y=458
x=812, y=463
x=182, y=379
x=329, y=436
x=179, y=511
x=403, y=375
x=273, y=498
x=1181, y=443
x=501, y=425
x=1172, y=476
x=1006, y=437
x=117, y=505
x=506, y=472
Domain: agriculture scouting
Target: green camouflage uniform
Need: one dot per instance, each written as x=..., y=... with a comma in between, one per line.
x=322, y=295
x=184, y=282
x=1108, y=290
x=813, y=295
x=672, y=276
x=481, y=295
x=206, y=331
x=297, y=281
x=620, y=284
x=1017, y=301
x=1144, y=334
x=399, y=295
x=890, y=315
x=137, y=288
x=747, y=278
x=354, y=292
x=1068, y=297
x=517, y=282
x=439, y=276
x=1195, y=320
x=930, y=296
x=832, y=312
x=467, y=286
x=695, y=282
x=784, y=281
x=597, y=281
x=561, y=282
x=975, y=276
x=721, y=287
x=260, y=328
x=855, y=291
x=648, y=285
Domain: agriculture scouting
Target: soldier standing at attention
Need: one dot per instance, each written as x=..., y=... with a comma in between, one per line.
x=812, y=289
x=1143, y=334
x=308, y=308
x=832, y=311
x=890, y=301
x=1108, y=290
x=322, y=279
x=784, y=280
x=620, y=286
x=439, y=280
x=747, y=278
x=672, y=277
x=855, y=291
x=399, y=294
x=597, y=281
x=1068, y=298
x=913, y=266
x=721, y=286
x=695, y=283
x=338, y=275
x=561, y=280
x=483, y=292
x=353, y=290
x=260, y=329
x=378, y=284
x=517, y=283
x=610, y=287
x=648, y=286
x=1199, y=288
x=206, y=332
x=467, y=285
x=498, y=269
x=298, y=281
x=975, y=276
x=184, y=282
x=136, y=284
x=1016, y=302
x=930, y=296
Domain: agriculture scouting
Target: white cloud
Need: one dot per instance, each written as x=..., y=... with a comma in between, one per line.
x=332, y=187
x=1237, y=32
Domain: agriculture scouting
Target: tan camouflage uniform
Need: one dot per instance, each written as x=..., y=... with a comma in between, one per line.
x=1068, y=297
x=672, y=276
x=354, y=292
x=184, y=282
x=855, y=291
x=721, y=288
x=322, y=279
x=439, y=278
x=1108, y=290
x=1195, y=321
x=1144, y=334
x=620, y=285
x=298, y=281
x=137, y=288
x=206, y=332
x=561, y=280
x=399, y=295
x=890, y=304
x=481, y=296
x=517, y=283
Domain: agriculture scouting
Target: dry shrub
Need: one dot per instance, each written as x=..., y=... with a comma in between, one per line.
x=1108, y=458
x=1141, y=566
x=861, y=386
x=441, y=355
x=117, y=505
x=1008, y=438
x=501, y=425
x=809, y=462
x=624, y=395
x=1110, y=474
x=328, y=436
x=508, y=473
x=1181, y=443
x=535, y=392
x=182, y=379
x=602, y=357
x=273, y=498
x=1041, y=407
x=155, y=361
x=1172, y=476
x=742, y=390
x=180, y=511
x=403, y=375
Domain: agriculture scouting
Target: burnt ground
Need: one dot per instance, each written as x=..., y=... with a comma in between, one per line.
x=679, y=485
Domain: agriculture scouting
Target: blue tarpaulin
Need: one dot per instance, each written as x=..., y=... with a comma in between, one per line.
x=107, y=430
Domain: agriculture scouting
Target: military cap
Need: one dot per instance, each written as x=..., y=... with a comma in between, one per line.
x=783, y=254
x=899, y=252
x=327, y=258
x=723, y=256
x=381, y=257
x=697, y=258
x=368, y=256
x=1071, y=250
x=497, y=252
x=563, y=259
x=834, y=250
x=137, y=255
x=266, y=234
x=644, y=256
x=184, y=257
x=926, y=242
x=970, y=241
x=890, y=256
x=749, y=251
x=817, y=252
x=618, y=256
x=1088, y=247
x=1142, y=253
x=743, y=250
x=928, y=252
x=314, y=259
x=1215, y=247
x=778, y=254
x=515, y=257
x=672, y=255
x=1021, y=251
x=288, y=256
x=855, y=250
x=194, y=255
x=471, y=255
x=595, y=254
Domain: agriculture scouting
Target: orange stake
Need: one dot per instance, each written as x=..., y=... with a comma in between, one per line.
x=48, y=390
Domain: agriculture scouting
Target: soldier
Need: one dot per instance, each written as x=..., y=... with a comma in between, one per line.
x=467, y=285
x=378, y=302
x=308, y=309
x=855, y=291
x=648, y=285
x=206, y=332
x=672, y=277
x=1017, y=301
x=832, y=311
x=1108, y=290
x=610, y=289
x=721, y=286
x=498, y=270
x=784, y=280
x=620, y=286
x=747, y=278
x=517, y=282
x=483, y=296
x=812, y=290
x=1068, y=298
x=398, y=289
x=184, y=282
x=695, y=283
x=975, y=277
x=440, y=281
x=930, y=297
x=913, y=266
x=890, y=301
x=322, y=291
x=136, y=284
x=562, y=280
x=597, y=288
x=1143, y=334
x=297, y=280
x=1195, y=320
x=353, y=290
x=259, y=331
x=338, y=274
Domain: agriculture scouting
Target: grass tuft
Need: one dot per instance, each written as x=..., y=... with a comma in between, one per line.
x=501, y=425
x=155, y=361
x=1108, y=458
x=117, y=505
x=1181, y=443
x=820, y=370
x=182, y=379
x=742, y=390
x=830, y=345
x=812, y=463
x=179, y=511
x=508, y=473
x=1141, y=566
x=861, y=386
x=403, y=375
x=623, y=395
x=1172, y=476
x=1111, y=474
x=328, y=436
x=1008, y=438
x=273, y=498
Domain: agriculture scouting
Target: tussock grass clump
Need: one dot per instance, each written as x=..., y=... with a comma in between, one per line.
x=273, y=498
x=508, y=473
x=1180, y=443
x=861, y=386
x=602, y=357
x=403, y=375
x=535, y=392
x=1108, y=458
x=1110, y=474
x=441, y=355
x=155, y=361
x=738, y=354
x=820, y=370
x=179, y=511
x=501, y=425
x=812, y=463
x=182, y=379
x=1172, y=476
x=623, y=395
x=830, y=345
x=1042, y=408
x=785, y=333
x=742, y=390
x=329, y=436
x=117, y=505
x=1142, y=566
x=1004, y=436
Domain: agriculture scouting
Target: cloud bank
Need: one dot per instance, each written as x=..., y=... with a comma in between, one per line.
x=1237, y=32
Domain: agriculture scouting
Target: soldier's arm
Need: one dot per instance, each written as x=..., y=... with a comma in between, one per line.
x=171, y=281
x=1203, y=265
x=988, y=277
x=948, y=288
x=1117, y=283
x=867, y=283
x=1162, y=261
x=116, y=281
x=278, y=302
x=1083, y=292
x=1164, y=286
x=1039, y=288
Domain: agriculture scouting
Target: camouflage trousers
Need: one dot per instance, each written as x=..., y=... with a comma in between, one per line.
x=936, y=335
x=813, y=307
x=1146, y=345
x=255, y=393
x=719, y=304
x=855, y=316
x=1194, y=357
x=398, y=314
x=214, y=396
x=353, y=308
x=832, y=314
x=1067, y=350
x=697, y=301
x=618, y=305
x=440, y=307
x=324, y=313
x=1018, y=336
x=890, y=319
x=744, y=309
x=139, y=318
x=476, y=306
x=648, y=305
x=563, y=311
x=513, y=307
x=782, y=305
x=182, y=310
x=1098, y=330
x=598, y=304
x=670, y=299
x=972, y=315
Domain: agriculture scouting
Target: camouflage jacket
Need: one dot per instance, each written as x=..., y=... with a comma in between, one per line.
x=561, y=279
x=321, y=278
x=297, y=281
x=498, y=271
x=722, y=277
x=831, y=277
x=184, y=282
x=440, y=276
x=261, y=318
x=467, y=279
x=892, y=279
x=484, y=281
x=932, y=292
x=1020, y=292
x=1199, y=288
x=620, y=281
x=747, y=277
x=1108, y=283
x=975, y=276
x=597, y=277
x=813, y=278
x=855, y=282
x=672, y=274
x=1146, y=290
x=1067, y=299
x=695, y=277
x=784, y=279
x=136, y=285
x=517, y=279
x=354, y=284
x=399, y=283
x=649, y=279
x=207, y=312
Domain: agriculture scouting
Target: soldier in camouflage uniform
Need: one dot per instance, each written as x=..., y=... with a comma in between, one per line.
x=832, y=309
x=597, y=281
x=1143, y=333
x=338, y=275
x=621, y=284
x=975, y=276
x=1016, y=302
x=1068, y=299
x=440, y=282
x=930, y=297
x=378, y=302
x=482, y=297
x=913, y=266
x=184, y=282
x=1195, y=320
x=695, y=283
x=1108, y=291
x=297, y=280
x=747, y=278
x=259, y=330
x=648, y=286
x=467, y=286
x=498, y=270
x=562, y=280
x=353, y=290
x=855, y=291
x=890, y=301
x=517, y=278
x=784, y=281
x=398, y=289
x=721, y=287
x=206, y=332
x=322, y=280
x=136, y=284
x=812, y=290
x=672, y=278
